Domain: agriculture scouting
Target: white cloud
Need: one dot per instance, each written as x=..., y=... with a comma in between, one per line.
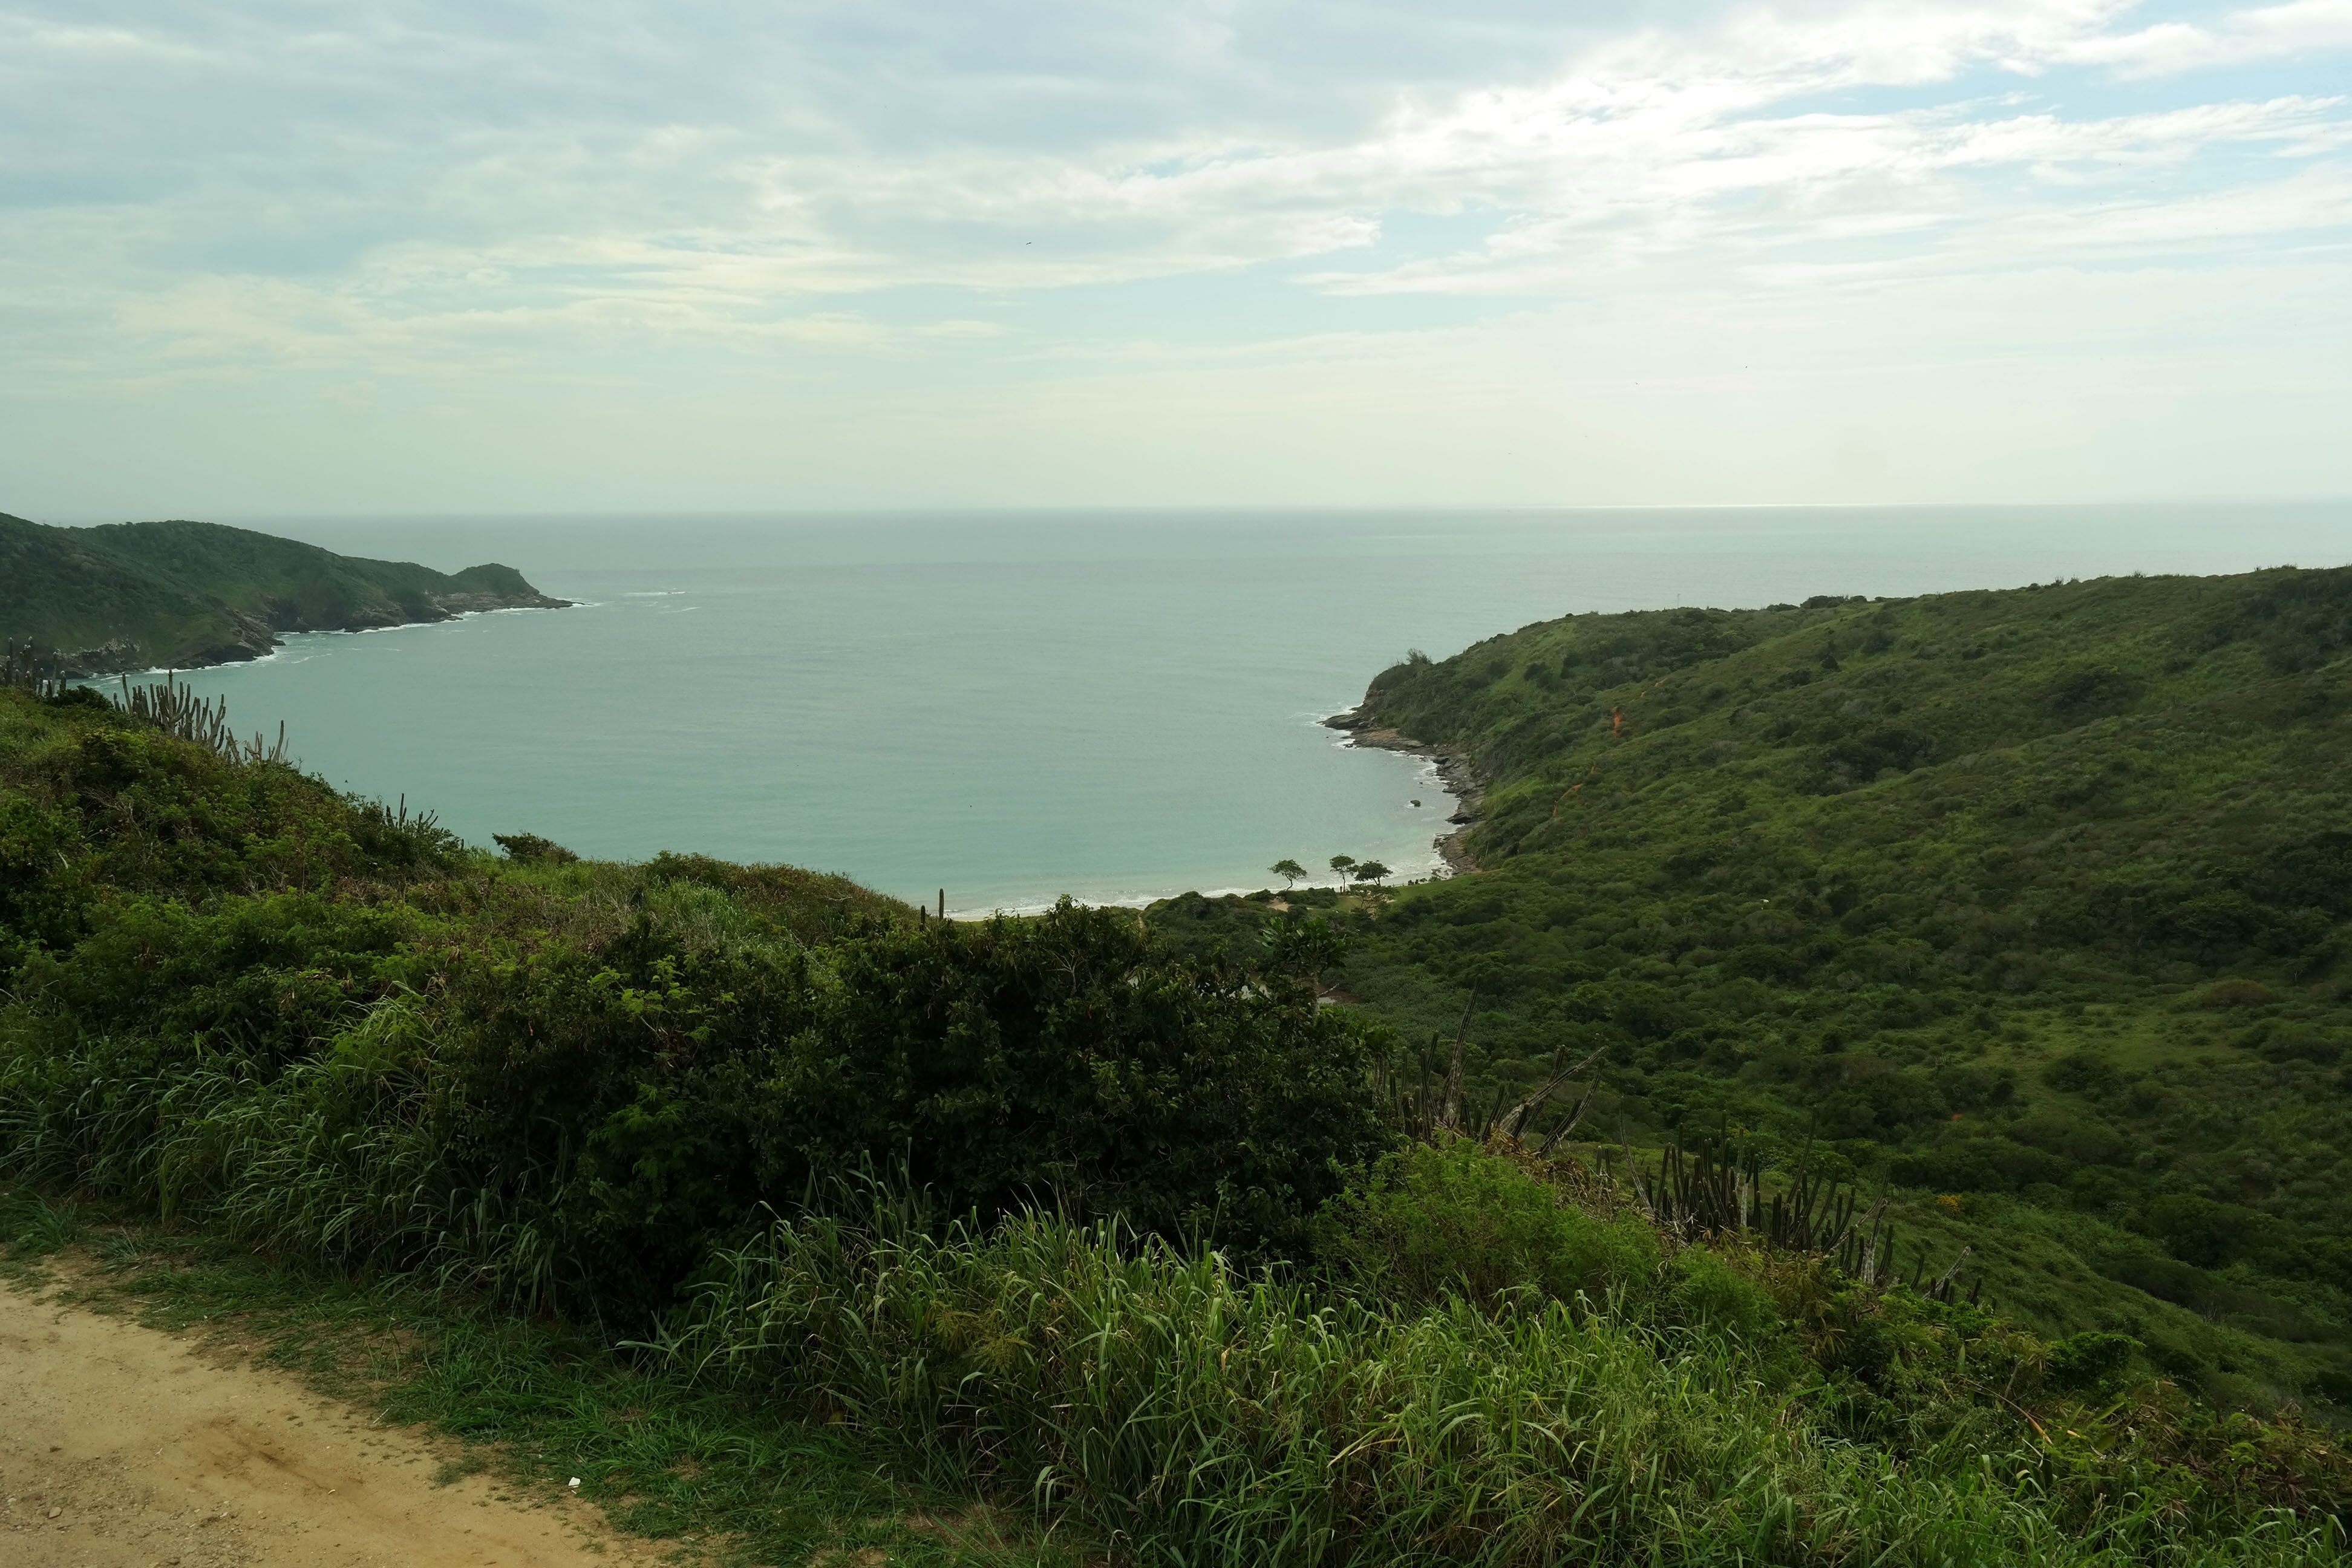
x=897, y=197
x=2242, y=38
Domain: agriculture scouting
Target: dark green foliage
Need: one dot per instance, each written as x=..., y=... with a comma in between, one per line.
x=655, y=1094
x=2032, y=900
x=530, y=848
x=146, y=594
x=2082, y=1072
x=239, y=993
x=1434, y=1221
x=95, y=805
x=629, y=1094
x=2092, y=1364
x=1068, y=1055
x=41, y=904
x=1707, y=1290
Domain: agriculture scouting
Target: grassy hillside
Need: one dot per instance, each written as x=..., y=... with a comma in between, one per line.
x=138, y=596
x=2030, y=902
x=1053, y=1214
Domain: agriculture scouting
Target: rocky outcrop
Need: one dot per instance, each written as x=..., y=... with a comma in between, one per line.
x=1455, y=776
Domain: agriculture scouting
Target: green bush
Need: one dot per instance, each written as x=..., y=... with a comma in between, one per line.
x=318, y=1025
x=1456, y=1219
x=582, y=1117
x=530, y=849
x=2094, y=1364
x=2094, y=828
x=239, y=993
x=1707, y=1291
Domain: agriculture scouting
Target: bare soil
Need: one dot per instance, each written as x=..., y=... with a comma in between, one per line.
x=123, y=1447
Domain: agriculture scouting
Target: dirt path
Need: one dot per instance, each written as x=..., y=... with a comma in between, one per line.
x=121, y=1447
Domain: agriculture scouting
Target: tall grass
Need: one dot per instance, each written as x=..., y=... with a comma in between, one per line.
x=1203, y=1415
x=1188, y=1411
x=340, y=1158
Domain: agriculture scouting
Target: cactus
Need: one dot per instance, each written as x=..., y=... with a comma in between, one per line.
x=1716, y=1188
x=33, y=668
x=174, y=708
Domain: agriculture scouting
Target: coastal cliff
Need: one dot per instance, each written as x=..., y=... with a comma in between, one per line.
x=140, y=595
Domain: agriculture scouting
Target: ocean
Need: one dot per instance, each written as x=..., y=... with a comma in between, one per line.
x=1011, y=706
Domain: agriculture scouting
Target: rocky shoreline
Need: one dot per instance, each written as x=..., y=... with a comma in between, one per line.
x=257, y=638
x=1455, y=776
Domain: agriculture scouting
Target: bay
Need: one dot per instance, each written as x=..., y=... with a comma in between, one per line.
x=1114, y=705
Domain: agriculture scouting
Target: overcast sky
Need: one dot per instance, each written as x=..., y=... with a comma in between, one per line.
x=269, y=257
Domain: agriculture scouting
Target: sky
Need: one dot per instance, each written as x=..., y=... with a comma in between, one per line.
x=278, y=257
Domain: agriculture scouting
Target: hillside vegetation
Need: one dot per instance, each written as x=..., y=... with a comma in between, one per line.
x=1057, y=1212
x=140, y=595
x=2031, y=903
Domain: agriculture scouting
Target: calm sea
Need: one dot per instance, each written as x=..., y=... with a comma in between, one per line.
x=1115, y=705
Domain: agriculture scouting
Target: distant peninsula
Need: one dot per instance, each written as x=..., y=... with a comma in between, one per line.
x=146, y=595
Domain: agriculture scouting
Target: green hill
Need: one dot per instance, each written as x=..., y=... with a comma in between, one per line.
x=2031, y=903
x=1109, y=1238
x=139, y=595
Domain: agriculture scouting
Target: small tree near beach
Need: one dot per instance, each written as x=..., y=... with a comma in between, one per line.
x=1341, y=864
x=1289, y=870
x=1370, y=871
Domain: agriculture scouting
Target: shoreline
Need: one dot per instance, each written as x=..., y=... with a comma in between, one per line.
x=78, y=666
x=1455, y=776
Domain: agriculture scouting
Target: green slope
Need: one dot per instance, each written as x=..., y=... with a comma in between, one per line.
x=243, y=1013
x=2032, y=902
x=144, y=594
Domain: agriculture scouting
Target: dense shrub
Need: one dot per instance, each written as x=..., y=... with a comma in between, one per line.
x=1706, y=1290
x=1455, y=1219
x=323, y=1027
x=239, y=993
x=2038, y=893
x=582, y=1119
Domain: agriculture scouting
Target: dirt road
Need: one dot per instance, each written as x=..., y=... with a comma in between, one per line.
x=121, y=1447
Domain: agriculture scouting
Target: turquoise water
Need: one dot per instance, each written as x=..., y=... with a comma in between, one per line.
x=1117, y=706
